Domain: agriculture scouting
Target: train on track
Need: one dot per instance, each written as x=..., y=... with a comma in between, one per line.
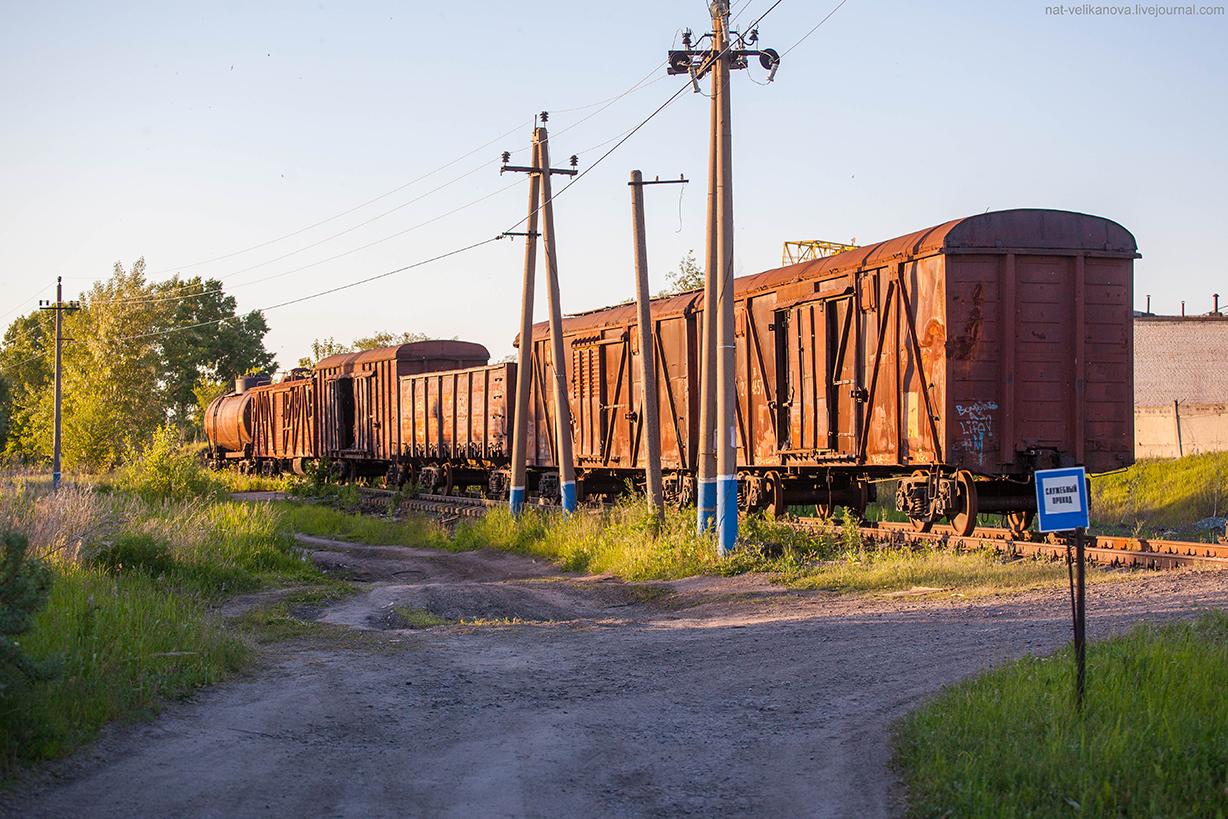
x=953, y=362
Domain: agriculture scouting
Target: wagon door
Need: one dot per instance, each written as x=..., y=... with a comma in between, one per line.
x=817, y=378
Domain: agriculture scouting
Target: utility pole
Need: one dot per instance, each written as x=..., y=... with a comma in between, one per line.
x=60, y=307
x=524, y=360
x=541, y=172
x=728, y=51
x=650, y=429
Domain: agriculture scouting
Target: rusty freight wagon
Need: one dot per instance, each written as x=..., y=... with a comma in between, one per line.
x=456, y=428
x=358, y=401
x=956, y=360
x=283, y=423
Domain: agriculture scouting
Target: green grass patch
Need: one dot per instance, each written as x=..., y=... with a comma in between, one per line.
x=123, y=644
x=324, y=521
x=1162, y=493
x=1152, y=741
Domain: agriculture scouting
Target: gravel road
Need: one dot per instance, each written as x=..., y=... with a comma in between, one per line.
x=575, y=697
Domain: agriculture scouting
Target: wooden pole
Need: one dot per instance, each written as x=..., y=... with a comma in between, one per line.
x=706, y=449
x=562, y=414
x=726, y=451
x=59, y=394
x=524, y=360
x=650, y=429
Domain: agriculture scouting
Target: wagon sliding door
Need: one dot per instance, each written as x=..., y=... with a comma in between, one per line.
x=816, y=376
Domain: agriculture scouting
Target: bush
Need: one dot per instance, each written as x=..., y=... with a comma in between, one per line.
x=25, y=585
x=166, y=469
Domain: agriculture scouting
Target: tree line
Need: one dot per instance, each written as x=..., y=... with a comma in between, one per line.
x=138, y=355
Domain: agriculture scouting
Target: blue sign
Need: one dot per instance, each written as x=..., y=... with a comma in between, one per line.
x=1061, y=499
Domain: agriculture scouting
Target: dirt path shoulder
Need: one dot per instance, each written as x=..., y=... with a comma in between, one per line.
x=551, y=695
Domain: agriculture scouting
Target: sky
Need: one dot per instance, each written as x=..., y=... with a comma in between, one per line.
x=291, y=148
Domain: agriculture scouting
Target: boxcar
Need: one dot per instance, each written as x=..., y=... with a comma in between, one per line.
x=357, y=399
x=456, y=426
x=955, y=361
x=283, y=423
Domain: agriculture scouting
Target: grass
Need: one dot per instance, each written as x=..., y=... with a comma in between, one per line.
x=130, y=620
x=1158, y=494
x=124, y=644
x=324, y=521
x=1152, y=741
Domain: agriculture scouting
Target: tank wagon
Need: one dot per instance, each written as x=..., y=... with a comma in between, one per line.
x=952, y=362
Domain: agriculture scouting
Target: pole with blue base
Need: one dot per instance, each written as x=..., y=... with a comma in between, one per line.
x=726, y=386
x=562, y=404
x=524, y=360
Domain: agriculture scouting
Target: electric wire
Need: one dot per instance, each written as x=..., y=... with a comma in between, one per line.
x=24, y=303
x=346, y=212
x=813, y=30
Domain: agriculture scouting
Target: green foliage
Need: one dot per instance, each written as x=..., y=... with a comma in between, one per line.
x=26, y=359
x=24, y=587
x=1162, y=493
x=688, y=276
x=1152, y=741
x=210, y=342
x=322, y=521
x=138, y=351
x=166, y=469
x=125, y=644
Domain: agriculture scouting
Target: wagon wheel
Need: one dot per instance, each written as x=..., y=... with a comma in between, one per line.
x=446, y=476
x=774, y=494
x=1019, y=521
x=964, y=519
x=920, y=524
x=863, y=500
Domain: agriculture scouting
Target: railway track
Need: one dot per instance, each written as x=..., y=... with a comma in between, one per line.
x=1107, y=550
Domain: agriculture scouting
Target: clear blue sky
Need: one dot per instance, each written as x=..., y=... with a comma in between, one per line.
x=183, y=132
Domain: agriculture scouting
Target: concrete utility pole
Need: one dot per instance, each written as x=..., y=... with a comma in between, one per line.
x=60, y=307
x=524, y=360
x=705, y=504
x=562, y=405
x=650, y=424
x=726, y=388
x=719, y=390
x=540, y=173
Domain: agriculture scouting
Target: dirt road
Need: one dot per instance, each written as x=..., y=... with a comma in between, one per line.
x=576, y=697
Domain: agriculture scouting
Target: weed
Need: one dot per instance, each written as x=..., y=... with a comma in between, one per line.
x=1152, y=740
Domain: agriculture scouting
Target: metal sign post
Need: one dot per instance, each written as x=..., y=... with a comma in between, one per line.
x=1062, y=500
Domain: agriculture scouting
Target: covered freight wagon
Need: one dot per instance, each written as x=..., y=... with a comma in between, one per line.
x=959, y=358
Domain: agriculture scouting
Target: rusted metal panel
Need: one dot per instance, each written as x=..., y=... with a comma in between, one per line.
x=283, y=425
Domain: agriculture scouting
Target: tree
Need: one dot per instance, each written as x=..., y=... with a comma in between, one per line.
x=137, y=352
x=26, y=363
x=688, y=276
x=206, y=342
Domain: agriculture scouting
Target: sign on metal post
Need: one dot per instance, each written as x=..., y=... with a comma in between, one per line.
x=1061, y=499
x=1061, y=504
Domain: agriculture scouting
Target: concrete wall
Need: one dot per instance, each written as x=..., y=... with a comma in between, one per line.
x=1180, y=385
x=1173, y=431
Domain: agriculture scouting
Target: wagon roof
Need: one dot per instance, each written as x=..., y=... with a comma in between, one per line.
x=417, y=351
x=998, y=232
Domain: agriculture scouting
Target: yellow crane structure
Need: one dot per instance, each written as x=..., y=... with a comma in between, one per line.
x=796, y=252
